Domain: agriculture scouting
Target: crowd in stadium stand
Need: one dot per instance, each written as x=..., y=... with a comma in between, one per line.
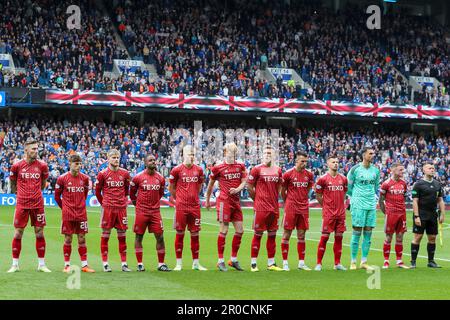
x=92, y=140
x=212, y=48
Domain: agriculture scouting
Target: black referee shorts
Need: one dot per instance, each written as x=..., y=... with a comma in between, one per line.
x=430, y=226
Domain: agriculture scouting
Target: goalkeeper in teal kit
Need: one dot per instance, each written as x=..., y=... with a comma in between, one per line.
x=363, y=184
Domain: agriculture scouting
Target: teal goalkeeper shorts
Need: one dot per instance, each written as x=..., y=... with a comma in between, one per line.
x=363, y=218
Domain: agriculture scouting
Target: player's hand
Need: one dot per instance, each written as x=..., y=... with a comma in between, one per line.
x=417, y=221
x=172, y=200
x=441, y=218
x=207, y=205
x=234, y=190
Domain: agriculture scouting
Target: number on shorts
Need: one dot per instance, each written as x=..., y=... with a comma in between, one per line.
x=197, y=222
x=40, y=217
x=125, y=220
x=83, y=225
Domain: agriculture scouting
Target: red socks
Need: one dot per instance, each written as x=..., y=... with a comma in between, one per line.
x=179, y=238
x=285, y=248
x=82, y=251
x=236, y=244
x=104, y=245
x=16, y=248
x=221, y=244
x=386, y=250
x=322, y=247
x=122, y=246
x=40, y=247
x=138, y=250
x=256, y=244
x=301, y=249
x=399, y=250
x=337, y=248
x=271, y=245
x=195, y=244
x=67, y=249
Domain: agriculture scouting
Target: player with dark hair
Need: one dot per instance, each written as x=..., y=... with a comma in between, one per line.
x=73, y=187
x=146, y=190
x=427, y=195
x=297, y=182
x=392, y=204
x=330, y=193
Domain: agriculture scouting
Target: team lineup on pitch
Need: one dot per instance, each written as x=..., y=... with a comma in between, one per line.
x=265, y=183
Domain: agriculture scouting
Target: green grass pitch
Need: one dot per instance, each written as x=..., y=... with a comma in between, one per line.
x=422, y=283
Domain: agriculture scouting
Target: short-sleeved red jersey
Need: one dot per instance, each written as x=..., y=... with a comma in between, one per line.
x=333, y=190
x=74, y=190
x=394, y=192
x=188, y=182
x=298, y=184
x=229, y=176
x=112, y=188
x=147, y=189
x=267, y=181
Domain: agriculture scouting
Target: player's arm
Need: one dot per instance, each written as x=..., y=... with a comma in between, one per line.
x=13, y=179
x=284, y=187
x=44, y=178
x=134, y=185
x=86, y=187
x=161, y=189
x=58, y=192
x=351, y=180
x=381, y=203
x=251, y=182
x=209, y=191
x=201, y=180
x=319, y=192
x=99, y=188
x=173, y=178
x=243, y=183
x=126, y=185
x=415, y=195
x=441, y=205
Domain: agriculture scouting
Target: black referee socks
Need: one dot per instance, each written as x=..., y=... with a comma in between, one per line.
x=414, y=251
x=431, y=248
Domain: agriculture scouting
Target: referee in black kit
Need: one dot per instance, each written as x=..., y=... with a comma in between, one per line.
x=427, y=195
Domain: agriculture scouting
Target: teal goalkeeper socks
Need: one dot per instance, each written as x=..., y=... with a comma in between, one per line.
x=367, y=240
x=354, y=245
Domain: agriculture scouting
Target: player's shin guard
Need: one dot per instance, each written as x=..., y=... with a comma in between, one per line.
x=322, y=247
x=431, y=248
x=271, y=244
x=16, y=247
x=387, y=250
x=67, y=249
x=179, y=240
x=121, y=237
x=221, y=244
x=301, y=248
x=40, y=246
x=414, y=251
x=236, y=245
x=82, y=251
x=161, y=251
x=399, y=250
x=365, y=247
x=104, y=245
x=356, y=235
x=195, y=245
x=337, y=249
x=285, y=249
x=138, y=250
x=256, y=244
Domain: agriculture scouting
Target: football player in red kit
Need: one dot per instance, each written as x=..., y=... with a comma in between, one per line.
x=146, y=190
x=28, y=178
x=392, y=204
x=297, y=182
x=232, y=177
x=264, y=183
x=330, y=193
x=73, y=187
x=111, y=190
x=186, y=182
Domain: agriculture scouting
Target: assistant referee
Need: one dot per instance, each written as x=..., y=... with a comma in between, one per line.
x=427, y=196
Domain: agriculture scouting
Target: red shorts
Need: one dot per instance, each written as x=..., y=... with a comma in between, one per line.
x=395, y=223
x=296, y=220
x=333, y=224
x=189, y=217
x=265, y=221
x=114, y=218
x=74, y=227
x=153, y=222
x=21, y=216
x=228, y=212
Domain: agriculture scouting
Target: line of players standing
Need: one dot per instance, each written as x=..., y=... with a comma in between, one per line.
x=265, y=183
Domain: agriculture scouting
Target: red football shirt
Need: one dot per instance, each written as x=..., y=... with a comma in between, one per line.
x=229, y=176
x=112, y=188
x=188, y=182
x=147, y=189
x=333, y=190
x=74, y=190
x=267, y=181
x=298, y=185
x=29, y=180
x=394, y=192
